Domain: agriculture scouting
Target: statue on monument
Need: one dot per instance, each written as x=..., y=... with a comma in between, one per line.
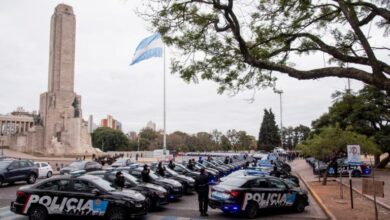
x=76, y=106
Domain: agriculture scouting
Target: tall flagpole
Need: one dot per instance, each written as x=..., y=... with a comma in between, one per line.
x=165, y=133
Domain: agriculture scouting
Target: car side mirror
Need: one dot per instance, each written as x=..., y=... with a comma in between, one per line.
x=96, y=192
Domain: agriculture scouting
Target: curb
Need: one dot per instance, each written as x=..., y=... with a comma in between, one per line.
x=384, y=205
x=318, y=199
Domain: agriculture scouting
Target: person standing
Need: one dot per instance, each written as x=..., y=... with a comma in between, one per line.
x=145, y=174
x=190, y=166
x=171, y=165
x=202, y=188
x=160, y=169
x=119, y=180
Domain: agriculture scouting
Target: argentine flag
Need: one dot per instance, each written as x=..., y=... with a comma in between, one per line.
x=149, y=47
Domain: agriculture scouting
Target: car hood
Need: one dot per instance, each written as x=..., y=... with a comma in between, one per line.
x=153, y=186
x=170, y=181
x=128, y=193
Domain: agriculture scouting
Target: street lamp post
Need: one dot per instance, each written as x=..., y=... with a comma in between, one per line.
x=280, y=92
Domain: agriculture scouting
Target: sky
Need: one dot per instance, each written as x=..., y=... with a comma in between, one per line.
x=107, y=33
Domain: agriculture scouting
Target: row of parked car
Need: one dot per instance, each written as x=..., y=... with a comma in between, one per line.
x=85, y=188
x=340, y=166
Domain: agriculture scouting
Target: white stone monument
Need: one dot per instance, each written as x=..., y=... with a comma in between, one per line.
x=61, y=130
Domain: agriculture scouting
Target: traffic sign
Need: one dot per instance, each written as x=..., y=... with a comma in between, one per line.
x=353, y=154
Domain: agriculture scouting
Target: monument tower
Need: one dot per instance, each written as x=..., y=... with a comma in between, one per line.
x=59, y=129
x=64, y=131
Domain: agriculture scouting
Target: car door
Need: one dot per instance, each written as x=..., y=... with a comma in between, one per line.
x=280, y=196
x=57, y=192
x=257, y=190
x=25, y=168
x=13, y=172
x=91, y=205
x=44, y=169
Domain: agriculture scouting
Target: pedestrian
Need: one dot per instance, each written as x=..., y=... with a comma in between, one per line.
x=200, y=160
x=119, y=179
x=84, y=157
x=226, y=161
x=136, y=157
x=202, y=188
x=190, y=165
x=160, y=169
x=145, y=174
x=246, y=165
x=171, y=165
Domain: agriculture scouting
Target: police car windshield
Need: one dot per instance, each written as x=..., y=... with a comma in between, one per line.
x=4, y=164
x=236, y=182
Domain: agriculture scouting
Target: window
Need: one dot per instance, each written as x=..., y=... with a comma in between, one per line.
x=23, y=164
x=14, y=165
x=262, y=183
x=55, y=185
x=44, y=164
x=274, y=183
x=83, y=186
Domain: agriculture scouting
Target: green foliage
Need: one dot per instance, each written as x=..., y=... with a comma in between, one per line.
x=294, y=135
x=269, y=136
x=243, y=44
x=108, y=139
x=367, y=113
x=331, y=142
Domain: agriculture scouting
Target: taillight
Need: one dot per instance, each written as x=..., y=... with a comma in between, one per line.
x=20, y=194
x=234, y=193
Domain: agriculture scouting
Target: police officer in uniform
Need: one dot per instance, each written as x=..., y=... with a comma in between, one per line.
x=145, y=174
x=202, y=188
x=119, y=180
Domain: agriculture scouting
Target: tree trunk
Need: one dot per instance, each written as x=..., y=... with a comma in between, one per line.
x=325, y=175
x=376, y=159
x=384, y=162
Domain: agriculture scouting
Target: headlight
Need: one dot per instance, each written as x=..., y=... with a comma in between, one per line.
x=160, y=194
x=138, y=205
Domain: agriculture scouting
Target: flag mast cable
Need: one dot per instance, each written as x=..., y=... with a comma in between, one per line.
x=165, y=133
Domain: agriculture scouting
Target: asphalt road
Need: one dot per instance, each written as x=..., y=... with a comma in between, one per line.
x=185, y=208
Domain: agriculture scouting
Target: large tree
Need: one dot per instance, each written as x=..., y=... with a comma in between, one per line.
x=108, y=139
x=331, y=143
x=269, y=136
x=241, y=44
x=367, y=112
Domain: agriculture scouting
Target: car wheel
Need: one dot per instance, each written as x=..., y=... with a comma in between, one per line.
x=49, y=174
x=299, y=206
x=37, y=213
x=31, y=179
x=356, y=173
x=251, y=210
x=117, y=213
